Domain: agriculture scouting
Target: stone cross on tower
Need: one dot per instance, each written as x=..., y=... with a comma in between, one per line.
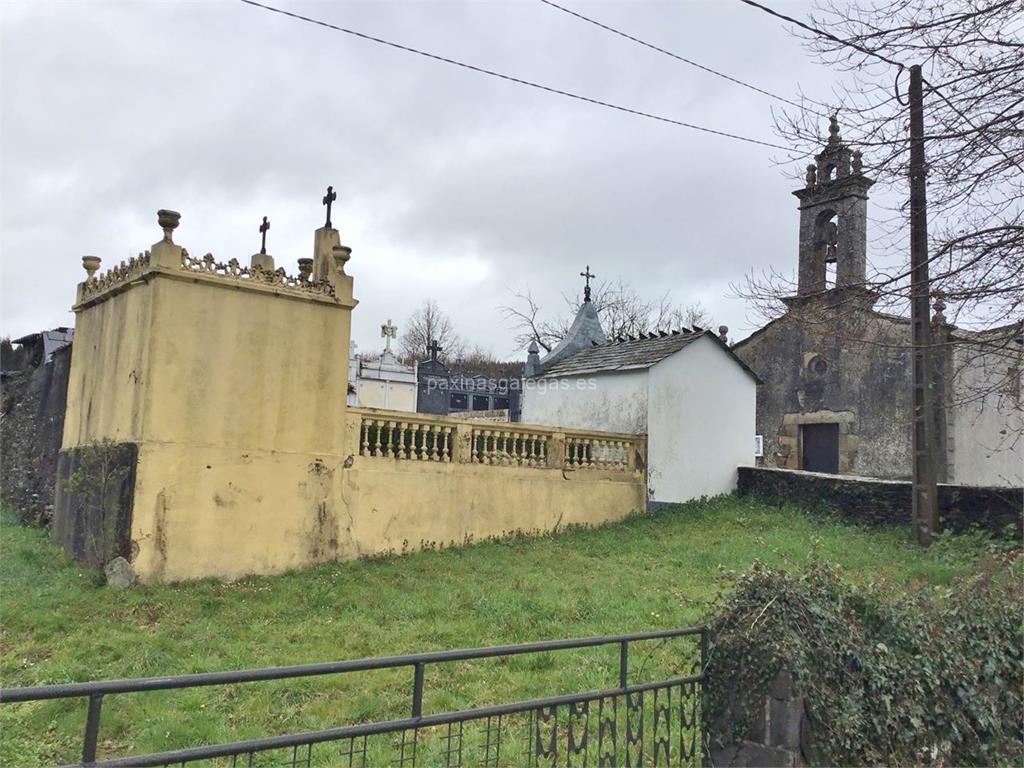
x=388, y=332
x=263, y=231
x=329, y=198
x=433, y=348
x=586, y=288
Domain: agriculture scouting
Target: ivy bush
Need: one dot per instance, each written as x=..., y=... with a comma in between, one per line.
x=889, y=675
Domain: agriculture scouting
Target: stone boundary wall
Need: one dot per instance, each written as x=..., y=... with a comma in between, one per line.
x=887, y=501
x=781, y=736
x=30, y=435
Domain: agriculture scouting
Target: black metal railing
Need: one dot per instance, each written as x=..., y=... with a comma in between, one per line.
x=634, y=723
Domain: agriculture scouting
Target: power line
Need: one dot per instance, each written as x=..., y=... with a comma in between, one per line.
x=676, y=56
x=822, y=33
x=512, y=79
x=850, y=44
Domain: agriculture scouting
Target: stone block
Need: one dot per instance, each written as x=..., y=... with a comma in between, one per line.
x=119, y=573
x=786, y=716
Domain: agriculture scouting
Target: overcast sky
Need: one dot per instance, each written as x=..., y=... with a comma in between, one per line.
x=451, y=185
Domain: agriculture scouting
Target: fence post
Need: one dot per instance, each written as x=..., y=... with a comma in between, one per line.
x=92, y=729
x=417, y=690
x=623, y=663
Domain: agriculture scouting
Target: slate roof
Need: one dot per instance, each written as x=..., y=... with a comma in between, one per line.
x=633, y=354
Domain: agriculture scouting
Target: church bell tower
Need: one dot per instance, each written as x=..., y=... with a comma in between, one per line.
x=833, y=218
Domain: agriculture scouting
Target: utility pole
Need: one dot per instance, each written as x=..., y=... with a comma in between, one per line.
x=925, y=491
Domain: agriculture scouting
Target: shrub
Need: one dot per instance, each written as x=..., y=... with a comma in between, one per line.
x=888, y=676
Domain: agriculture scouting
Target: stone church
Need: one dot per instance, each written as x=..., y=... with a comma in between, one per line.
x=837, y=372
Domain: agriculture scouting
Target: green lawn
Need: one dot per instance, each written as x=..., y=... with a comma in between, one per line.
x=654, y=571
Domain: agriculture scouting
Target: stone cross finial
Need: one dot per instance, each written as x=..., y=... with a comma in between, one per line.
x=388, y=332
x=329, y=198
x=586, y=288
x=263, y=231
x=433, y=348
x=168, y=221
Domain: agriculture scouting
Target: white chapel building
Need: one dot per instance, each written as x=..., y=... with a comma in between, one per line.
x=686, y=390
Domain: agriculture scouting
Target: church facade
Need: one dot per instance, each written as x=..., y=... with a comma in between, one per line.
x=837, y=373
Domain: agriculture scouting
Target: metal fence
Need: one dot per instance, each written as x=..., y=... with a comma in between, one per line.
x=631, y=724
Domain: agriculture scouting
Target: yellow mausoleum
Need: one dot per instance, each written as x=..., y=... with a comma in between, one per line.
x=228, y=384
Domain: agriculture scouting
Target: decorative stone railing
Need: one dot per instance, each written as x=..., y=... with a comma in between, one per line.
x=234, y=270
x=511, y=447
x=127, y=271
x=124, y=272
x=400, y=436
x=597, y=453
x=405, y=438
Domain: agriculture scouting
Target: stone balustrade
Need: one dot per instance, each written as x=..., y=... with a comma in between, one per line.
x=509, y=446
x=405, y=438
x=402, y=436
x=598, y=453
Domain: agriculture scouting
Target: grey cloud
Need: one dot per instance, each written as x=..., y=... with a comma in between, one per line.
x=451, y=185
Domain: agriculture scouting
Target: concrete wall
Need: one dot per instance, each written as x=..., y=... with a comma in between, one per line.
x=701, y=421
x=611, y=401
x=986, y=424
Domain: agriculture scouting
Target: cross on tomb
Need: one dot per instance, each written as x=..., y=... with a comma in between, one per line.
x=263, y=231
x=329, y=198
x=388, y=332
x=586, y=288
x=433, y=348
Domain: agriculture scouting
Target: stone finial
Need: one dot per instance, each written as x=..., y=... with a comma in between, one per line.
x=939, y=318
x=532, y=359
x=833, y=130
x=168, y=221
x=305, y=269
x=341, y=254
x=812, y=176
x=723, y=333
x=858, y=161
x=90, y=264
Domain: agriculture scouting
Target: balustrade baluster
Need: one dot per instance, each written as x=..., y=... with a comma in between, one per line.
x=489, y=441
x=400, y=445
x=376, y=445
x=445, y=444
x=433, y=442
x=364, y=429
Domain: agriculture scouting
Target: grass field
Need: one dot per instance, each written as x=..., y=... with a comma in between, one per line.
x=654, y=571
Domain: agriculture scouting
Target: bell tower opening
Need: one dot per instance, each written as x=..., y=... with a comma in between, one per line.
x=833, y=219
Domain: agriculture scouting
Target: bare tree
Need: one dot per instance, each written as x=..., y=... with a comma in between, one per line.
x=429, y=323
x=973, y=56
x=624, y=313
